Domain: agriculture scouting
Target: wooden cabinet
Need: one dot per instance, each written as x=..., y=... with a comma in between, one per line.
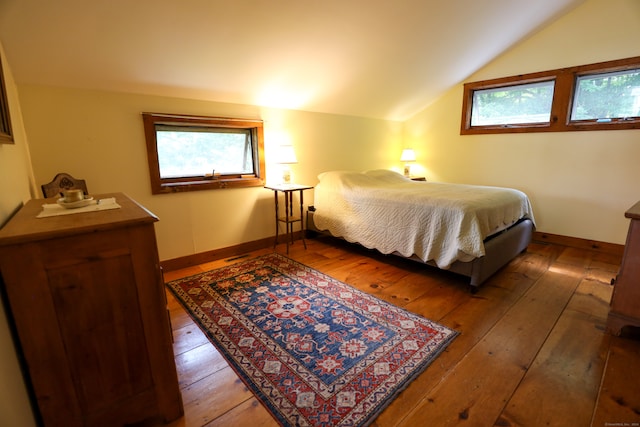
x=86, y=297
x=625, y=301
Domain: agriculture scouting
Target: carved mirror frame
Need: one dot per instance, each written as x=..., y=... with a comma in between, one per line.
x=6, y=135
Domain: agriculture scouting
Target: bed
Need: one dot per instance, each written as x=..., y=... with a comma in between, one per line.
x=469, y=230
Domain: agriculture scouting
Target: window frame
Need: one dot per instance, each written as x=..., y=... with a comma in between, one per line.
x=197, y=183
x=562, y=104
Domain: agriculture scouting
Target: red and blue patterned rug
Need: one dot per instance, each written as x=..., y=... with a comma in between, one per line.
x=315, y=351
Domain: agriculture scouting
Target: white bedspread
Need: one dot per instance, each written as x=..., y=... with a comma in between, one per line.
x=383, y=210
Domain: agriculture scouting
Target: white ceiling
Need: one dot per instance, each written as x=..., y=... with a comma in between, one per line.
x=372, y=58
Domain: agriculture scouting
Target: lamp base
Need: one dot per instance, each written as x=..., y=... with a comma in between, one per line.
x=286, y=176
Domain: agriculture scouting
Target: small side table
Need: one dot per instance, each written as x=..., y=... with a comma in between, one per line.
x=289, y=217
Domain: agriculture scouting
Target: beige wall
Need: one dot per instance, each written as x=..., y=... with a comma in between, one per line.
x=15, y=188
x=580, y=183
x=99, y=136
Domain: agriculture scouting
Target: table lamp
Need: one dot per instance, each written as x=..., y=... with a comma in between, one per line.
x=286, y=157
x=408, y=156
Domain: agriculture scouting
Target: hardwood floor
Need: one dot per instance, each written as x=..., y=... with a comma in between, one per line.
x=532, y=348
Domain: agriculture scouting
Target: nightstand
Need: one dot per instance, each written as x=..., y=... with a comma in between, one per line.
x=289, y=218
x=418, y=178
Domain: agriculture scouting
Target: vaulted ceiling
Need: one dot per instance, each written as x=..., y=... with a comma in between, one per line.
x=371, y=58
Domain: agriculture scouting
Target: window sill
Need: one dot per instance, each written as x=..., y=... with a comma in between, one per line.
x=207, y=184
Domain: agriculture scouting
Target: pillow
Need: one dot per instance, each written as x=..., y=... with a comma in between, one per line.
x=346, y=179
x=333, y=175
x=387, y=176
x=335, y=180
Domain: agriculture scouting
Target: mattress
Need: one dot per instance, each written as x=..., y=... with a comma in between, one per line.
x=437, y=222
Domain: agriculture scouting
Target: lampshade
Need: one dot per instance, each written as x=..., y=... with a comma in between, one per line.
x=408, y=155
x=286, y=155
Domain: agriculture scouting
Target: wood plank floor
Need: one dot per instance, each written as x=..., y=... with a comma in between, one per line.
x=532, y=349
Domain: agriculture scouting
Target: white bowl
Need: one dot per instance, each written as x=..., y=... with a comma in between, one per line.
x=73, y=205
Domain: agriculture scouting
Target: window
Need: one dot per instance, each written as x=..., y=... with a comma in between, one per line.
x=590, y=97
x=189, y=153
x=525, y=103
x=607, y=96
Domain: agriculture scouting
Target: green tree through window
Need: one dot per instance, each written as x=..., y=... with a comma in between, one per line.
x=607, y=96
x=528, y=103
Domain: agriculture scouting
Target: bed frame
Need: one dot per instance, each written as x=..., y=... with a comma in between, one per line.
x=500, y=249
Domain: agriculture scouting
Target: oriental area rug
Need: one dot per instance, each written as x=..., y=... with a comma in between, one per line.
x=315, y=351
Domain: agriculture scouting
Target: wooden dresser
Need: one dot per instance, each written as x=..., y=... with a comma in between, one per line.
x=625, y=301
x=86, y=298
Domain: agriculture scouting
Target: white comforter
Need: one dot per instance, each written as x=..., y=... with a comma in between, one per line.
x=438, y=222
